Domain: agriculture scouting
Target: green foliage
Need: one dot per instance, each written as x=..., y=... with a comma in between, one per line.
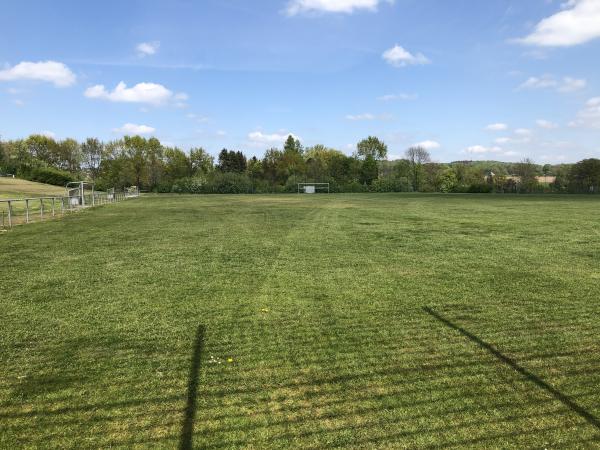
x=527, y=172
x=232, y=161
x=195, y=185
x=585, y=176
x=201, y=161
x=416, y=157
x=371, y=147
x=134, y=160
x=50, y=175
x=448, y=181
x=177, y=164
x=369, y=170
x=479, y=188
x=228, y=183
x=215, y=183
x=292, y=146
x=391, y=185
x=92, y=151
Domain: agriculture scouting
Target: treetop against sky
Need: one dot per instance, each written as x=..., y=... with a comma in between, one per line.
x=501, y=79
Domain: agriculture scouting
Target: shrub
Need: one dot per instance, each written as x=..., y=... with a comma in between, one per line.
x=479, y=188
x=353, y=186
x=50, y=175
x=188, y=186
x=391, y=185
x=228, y=183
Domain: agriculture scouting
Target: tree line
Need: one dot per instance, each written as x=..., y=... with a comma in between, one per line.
x=152, y=166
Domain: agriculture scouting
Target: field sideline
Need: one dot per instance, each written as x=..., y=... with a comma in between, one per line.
x=383, y=320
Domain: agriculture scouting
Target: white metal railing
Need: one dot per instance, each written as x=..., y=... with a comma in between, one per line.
x=36, y=209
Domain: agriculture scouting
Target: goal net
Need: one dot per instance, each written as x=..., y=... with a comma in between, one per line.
x=313, y=188
x=80, y=193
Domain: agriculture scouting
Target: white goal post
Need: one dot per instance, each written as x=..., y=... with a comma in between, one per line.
x=313, y=188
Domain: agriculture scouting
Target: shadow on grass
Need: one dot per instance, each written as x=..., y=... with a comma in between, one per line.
x=187, y=427
x=591, y=419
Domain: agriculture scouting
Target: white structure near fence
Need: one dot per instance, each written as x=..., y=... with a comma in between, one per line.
x=313, y=188
x=79, y=195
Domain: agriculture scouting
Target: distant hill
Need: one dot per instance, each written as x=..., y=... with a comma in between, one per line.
x=18, y=188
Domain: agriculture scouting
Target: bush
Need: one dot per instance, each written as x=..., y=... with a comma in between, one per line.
x=50, y=175
x=228, y=183
x=216, y=183
x=353, y=186
x=391, y=185
x=188, y=186
x=479, y=188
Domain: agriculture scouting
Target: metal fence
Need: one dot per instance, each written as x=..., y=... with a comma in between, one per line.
x=37, y=209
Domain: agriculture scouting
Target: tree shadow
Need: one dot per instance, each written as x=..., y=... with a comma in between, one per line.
x=187, y=427
x=576, y=408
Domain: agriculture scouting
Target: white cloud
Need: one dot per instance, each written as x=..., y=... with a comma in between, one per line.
x=579, y=22
x=151, y=93
x=565, y=85
x=50, y=71
x=589, y=116
x=147, y=48
x=479, y=149
x=497, y=127
x=132, y=129
x=487, y=152
x=365, y=116
x=295, y=7
x=572, y=84
x=182, y=96
x=544, y=82
x=197, y=118
x=393, y=97
x=258, y=138
x=50, y=134
x=427, y=145
x=18, y=102
x=397, y=56
x=523, y=132
x=546, y=124
x=523, y=136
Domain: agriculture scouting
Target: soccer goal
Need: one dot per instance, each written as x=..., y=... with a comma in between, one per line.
x=80, y=193
x=313, y=188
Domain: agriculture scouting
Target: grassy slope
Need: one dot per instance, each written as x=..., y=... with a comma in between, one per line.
x=318, y=302
x=18, y=188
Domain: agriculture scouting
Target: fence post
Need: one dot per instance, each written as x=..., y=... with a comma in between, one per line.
x=9, y=214
x=41, y=209
x=52, y=206
x=62, y=206
x=26, y=210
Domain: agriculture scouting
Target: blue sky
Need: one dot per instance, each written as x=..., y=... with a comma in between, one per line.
x=500, y=79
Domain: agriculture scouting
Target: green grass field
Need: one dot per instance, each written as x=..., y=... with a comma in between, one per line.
x=17, y=188
x=299, y=321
